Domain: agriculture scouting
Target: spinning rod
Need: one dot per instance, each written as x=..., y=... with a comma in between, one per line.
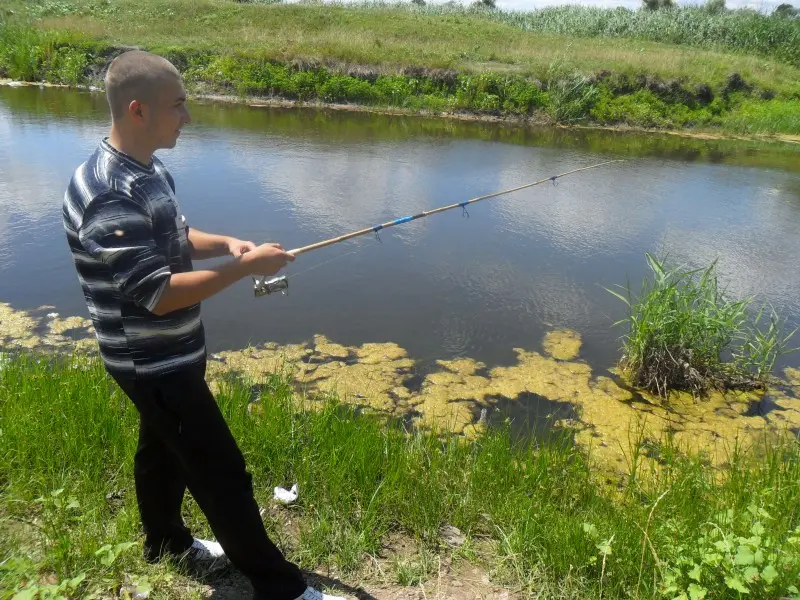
x=263, y=286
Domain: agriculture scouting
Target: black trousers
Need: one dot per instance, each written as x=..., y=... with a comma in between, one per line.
x=184, y=441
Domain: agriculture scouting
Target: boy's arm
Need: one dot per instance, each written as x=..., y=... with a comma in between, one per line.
x=186, y=289
x=118, y=233
x=209, y=245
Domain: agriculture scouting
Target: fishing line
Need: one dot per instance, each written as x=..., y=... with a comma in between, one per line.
x=323, y=263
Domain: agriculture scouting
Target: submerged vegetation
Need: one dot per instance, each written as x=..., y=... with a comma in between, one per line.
x=687, y=67
x=685, y=334
x=534, y=515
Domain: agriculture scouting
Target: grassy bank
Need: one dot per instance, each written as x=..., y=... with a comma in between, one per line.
x=737, y=71
x=536, y=516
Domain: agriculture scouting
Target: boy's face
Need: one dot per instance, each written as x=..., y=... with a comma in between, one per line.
x=167, y=114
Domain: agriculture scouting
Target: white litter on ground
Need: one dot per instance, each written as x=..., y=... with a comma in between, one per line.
x=285, y=496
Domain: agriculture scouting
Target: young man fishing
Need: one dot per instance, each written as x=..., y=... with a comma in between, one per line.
x=133, y=252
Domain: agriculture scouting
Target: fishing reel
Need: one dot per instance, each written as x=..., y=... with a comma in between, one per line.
x=263, y=286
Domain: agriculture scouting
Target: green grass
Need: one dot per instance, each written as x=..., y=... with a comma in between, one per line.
x=30, y=55
x=567, y=65
x=390, y=38
x=762, y=117
x=685, y=334
x=69, y=57
x=422, y=30
x=536, y=515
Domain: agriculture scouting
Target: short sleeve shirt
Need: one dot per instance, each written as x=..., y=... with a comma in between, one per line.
x=128, y=236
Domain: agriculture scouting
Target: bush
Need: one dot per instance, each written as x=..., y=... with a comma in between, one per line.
x=684, y=334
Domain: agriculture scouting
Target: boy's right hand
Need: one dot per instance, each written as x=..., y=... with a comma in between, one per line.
x=266, y=259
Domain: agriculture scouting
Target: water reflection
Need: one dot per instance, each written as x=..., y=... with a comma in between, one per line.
x=442, y=287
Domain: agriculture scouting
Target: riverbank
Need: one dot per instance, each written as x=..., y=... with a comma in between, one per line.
x=542, y=503
x=378, y=503
x=517, y=122
x=400, y=58
x=547, y=386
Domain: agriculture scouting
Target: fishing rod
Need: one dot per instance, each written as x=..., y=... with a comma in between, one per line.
x=263, y=286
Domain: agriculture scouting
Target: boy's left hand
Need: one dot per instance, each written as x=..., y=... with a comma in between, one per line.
x=239, y=247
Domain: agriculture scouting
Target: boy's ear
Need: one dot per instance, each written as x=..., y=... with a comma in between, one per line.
x=136, y=111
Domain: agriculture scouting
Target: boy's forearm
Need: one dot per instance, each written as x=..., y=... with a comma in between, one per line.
x=186, y=289
x=206, y=245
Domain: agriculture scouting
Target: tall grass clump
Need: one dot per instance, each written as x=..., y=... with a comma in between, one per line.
x=685, y=334
x=571, y=98
x=29, y=54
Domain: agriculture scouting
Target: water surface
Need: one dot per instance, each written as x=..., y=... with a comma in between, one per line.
x=443, y=287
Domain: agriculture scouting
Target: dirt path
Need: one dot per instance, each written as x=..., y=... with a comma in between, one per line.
x=467, y=582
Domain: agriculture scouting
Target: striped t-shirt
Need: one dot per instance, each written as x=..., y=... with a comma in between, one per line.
x=127, y=236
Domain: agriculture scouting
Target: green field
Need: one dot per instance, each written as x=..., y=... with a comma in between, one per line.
x=685, y=68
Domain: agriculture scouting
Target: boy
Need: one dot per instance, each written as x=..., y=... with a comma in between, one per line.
x=133, y=252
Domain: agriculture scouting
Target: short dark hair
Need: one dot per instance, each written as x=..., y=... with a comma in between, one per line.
x=135, y=75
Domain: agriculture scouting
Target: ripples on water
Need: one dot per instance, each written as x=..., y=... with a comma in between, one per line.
x=441, y=287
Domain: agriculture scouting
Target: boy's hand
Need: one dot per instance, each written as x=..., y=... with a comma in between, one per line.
x=239, y=247
x=266, y=259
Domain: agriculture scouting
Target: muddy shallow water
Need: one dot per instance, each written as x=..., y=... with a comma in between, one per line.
x=540, y=390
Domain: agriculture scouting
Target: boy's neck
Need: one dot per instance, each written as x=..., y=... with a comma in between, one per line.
x=127, y=145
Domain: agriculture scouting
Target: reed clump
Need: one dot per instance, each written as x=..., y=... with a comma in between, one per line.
x=685, y=334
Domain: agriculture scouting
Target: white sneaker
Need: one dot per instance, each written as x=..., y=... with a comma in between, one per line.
x=312, y=594
x=205, y=557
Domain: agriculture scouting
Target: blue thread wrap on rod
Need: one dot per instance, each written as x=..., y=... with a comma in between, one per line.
x=403, y=220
